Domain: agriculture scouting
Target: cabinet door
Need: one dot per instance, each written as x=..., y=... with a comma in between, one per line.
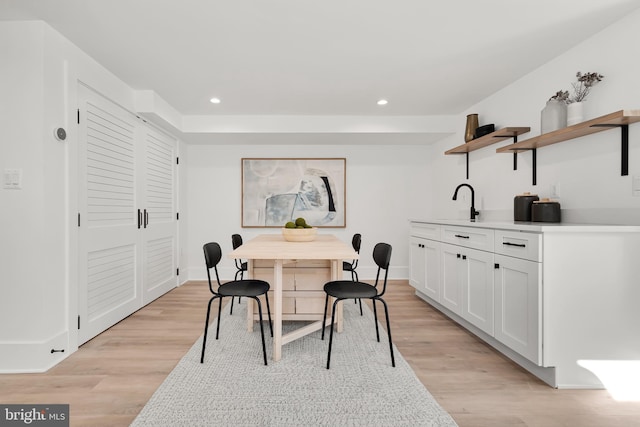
x=477, y=288
x=431, y=251
x=450, y=277
x=416, y=263
x=518, y=317
x=424, y=268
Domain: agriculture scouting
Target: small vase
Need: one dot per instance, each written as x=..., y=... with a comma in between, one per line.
x=553, y=116
x=470, y=128
x=575, y=113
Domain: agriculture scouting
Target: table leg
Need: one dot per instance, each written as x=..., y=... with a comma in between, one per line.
x=277, y=309
x=249, y=300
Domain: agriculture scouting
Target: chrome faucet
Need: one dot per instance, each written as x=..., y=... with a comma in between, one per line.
x=474, y=212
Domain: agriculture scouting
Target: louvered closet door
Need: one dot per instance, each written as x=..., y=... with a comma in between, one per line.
x=109, y=238
x=160, y=224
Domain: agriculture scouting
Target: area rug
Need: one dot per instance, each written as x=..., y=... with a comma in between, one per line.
x=234, y=388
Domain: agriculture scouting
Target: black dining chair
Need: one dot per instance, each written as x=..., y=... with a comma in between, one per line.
x=241, y=266
x=347, y=289
x=356, y=242
x=250, y=288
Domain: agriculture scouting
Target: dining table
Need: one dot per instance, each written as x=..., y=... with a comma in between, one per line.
x=280, y=252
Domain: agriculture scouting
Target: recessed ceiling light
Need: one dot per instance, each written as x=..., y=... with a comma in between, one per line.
x=383, y=102
x=215, y=100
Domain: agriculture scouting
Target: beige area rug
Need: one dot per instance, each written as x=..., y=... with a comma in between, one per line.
x=234, y=388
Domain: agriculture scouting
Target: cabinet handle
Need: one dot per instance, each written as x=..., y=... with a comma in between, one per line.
x=461, y=236
x=458, y=255
x=146, y=218
x=520, y=245
x=464, y=257
x=139, y=218
x=496, y=265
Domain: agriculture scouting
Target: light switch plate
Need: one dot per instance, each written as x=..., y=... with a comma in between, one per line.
x=12, y=179
x=635, y=185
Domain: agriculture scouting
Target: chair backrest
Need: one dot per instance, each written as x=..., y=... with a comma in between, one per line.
x=212, y=256
x=382, y=257
x=356, y=241
x=236, y=241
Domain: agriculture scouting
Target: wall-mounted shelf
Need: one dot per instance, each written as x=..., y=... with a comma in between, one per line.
x=621, y=119
x=492, y=138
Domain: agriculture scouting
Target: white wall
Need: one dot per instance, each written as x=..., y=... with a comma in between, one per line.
x=40, y=72
x=385, y=186
x=586, y=170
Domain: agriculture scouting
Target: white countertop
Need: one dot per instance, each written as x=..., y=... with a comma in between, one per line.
x=533, y=226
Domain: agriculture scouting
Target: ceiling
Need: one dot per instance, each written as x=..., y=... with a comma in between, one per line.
x=321, y=58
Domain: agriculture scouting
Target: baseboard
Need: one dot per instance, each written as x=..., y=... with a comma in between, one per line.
x=34, y=356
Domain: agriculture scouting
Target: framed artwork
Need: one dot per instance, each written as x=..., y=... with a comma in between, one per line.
x=275, y=191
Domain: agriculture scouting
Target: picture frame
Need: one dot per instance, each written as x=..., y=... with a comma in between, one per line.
x=278, y=190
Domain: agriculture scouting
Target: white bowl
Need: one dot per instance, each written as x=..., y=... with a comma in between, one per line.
x=299, y=234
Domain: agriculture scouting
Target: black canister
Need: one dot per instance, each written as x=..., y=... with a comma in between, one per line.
x=545, y=210
x=522, y=206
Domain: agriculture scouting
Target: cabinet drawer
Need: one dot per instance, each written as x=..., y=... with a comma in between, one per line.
x=266, y=274
x=427, y=231
x=519, y=244
x=476, y=238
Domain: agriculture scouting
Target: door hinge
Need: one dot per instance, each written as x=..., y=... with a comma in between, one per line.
x=78, y=322
x=78, y=116
x=177, y=271
x=78, y=219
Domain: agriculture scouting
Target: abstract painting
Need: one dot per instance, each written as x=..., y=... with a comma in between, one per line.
x=275, y=191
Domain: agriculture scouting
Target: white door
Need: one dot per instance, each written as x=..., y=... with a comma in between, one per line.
x=431, y=250
x=477, y=288
x=518, y=319
x=450, y=291
x=159, y=221
x=108, y=237
x=416, y=263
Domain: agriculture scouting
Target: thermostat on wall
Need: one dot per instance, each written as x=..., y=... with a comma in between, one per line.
x=60, y=134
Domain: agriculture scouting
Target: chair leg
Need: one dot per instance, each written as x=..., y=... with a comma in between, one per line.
x=219, y=312
x=360, y=301
x=375, y=318
x=266, y=297
x=264, y=346
x=231, y=311
x=324, y=317
x=386, y=314
x=333, y=314
x=206, y=328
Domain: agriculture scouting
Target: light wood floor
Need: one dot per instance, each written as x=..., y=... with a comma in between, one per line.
x=110, y=378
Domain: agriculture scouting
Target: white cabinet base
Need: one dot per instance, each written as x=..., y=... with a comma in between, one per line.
x=547, y=375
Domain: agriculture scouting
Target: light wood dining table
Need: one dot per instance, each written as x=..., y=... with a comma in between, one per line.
x=273, y=247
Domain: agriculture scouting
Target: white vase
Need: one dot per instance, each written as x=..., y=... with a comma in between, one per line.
x=575, y=113
x=553, y=116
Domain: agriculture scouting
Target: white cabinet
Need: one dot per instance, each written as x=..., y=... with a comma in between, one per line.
x=425, y=266
x=560, y=296
x=518, y=308
x=467, y=284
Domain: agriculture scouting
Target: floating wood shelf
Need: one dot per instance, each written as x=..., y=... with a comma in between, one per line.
x=620, y=119
x=492, y=138
x=599, y=124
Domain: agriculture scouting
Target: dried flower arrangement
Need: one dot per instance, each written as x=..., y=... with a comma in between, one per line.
x=581, y=88
x=560, y=96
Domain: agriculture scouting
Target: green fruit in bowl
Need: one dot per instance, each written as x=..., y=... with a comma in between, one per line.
x=290, y=224
x=299, y=226
x=308, y=226
x=301, y=222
